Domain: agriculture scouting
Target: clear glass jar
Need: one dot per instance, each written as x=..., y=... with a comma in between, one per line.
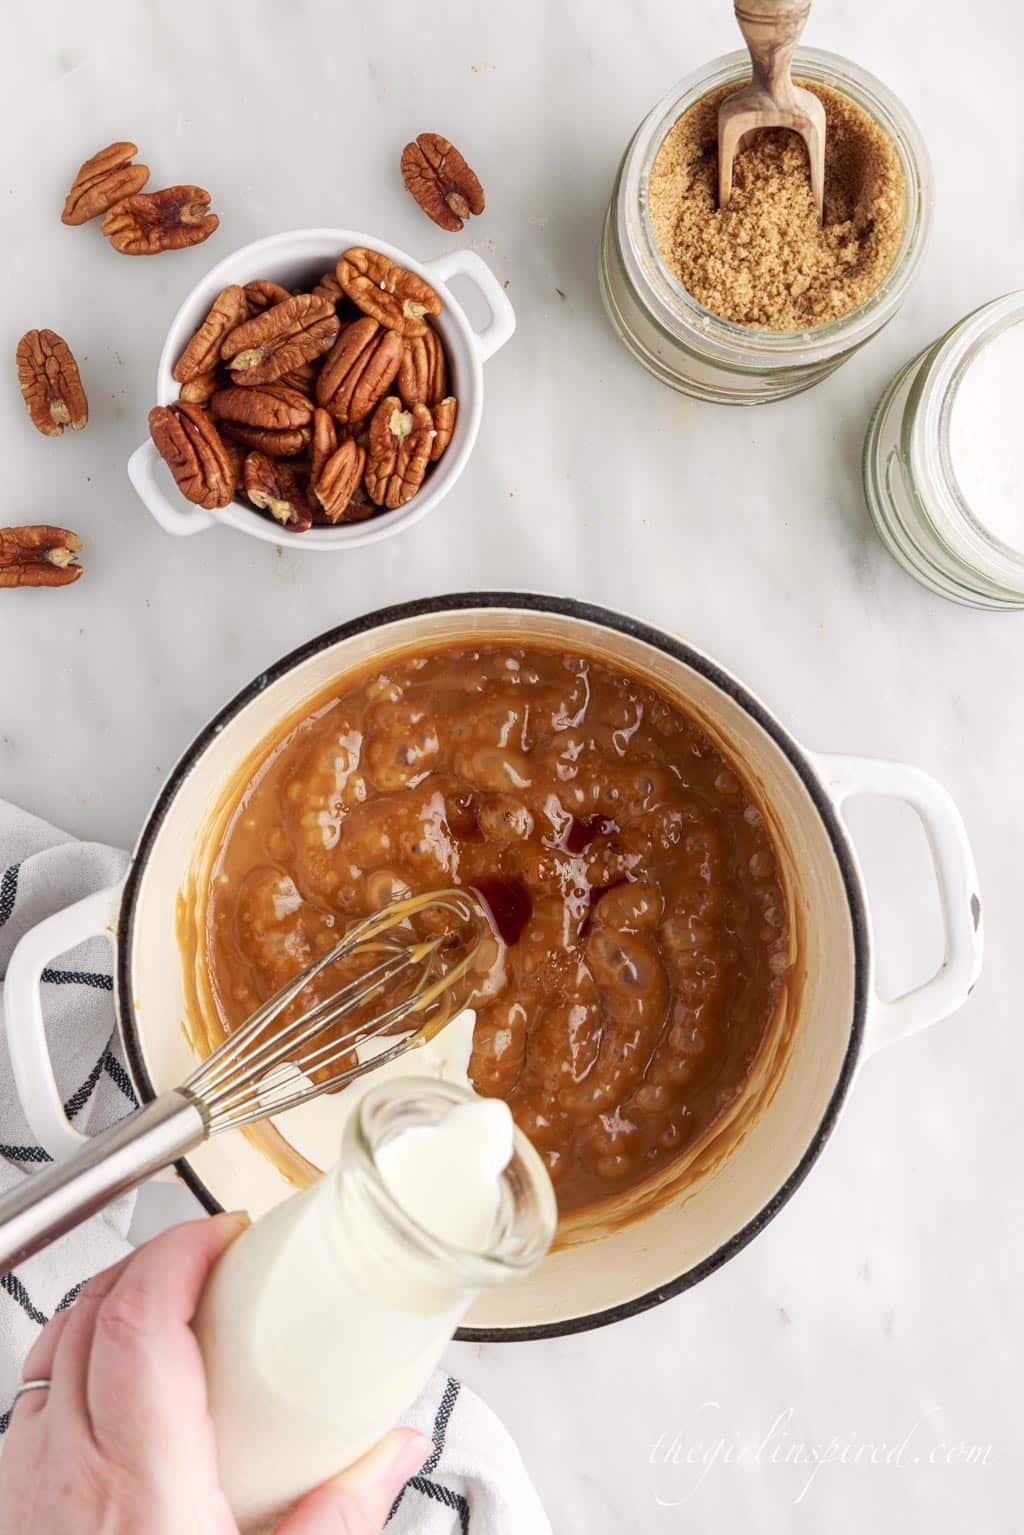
x=912, y=492
x=322, y=1321
x=391, y=1248
x=680, y=341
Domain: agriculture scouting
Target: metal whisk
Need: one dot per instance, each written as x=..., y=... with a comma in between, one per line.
x=268, y=1065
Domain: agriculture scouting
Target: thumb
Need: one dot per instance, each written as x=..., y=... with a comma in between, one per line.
x=358, y=1501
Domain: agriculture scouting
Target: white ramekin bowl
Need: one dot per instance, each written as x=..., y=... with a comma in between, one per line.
x=300, y=256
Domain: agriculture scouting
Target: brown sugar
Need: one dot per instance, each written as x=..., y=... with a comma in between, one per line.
x=765, y=261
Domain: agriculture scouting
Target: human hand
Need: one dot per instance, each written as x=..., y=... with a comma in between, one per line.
x=122, y=1440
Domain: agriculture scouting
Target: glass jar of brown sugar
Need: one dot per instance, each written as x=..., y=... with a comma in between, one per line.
x=680, y=339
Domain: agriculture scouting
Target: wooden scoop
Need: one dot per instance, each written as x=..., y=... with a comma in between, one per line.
x=771, y=100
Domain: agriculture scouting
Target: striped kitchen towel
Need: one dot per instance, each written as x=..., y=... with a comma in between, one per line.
x=42, y=871
x=474, y=1482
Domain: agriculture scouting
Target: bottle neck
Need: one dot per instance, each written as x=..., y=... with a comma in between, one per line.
x=391, y=1253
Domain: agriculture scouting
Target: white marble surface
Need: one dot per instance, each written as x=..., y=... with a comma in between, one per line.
x=886, y=1295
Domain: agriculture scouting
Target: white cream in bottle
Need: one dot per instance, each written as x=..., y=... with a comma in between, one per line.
x=986, y=438
x=322, y=1321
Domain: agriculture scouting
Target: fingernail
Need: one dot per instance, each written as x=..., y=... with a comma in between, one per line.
x=241, y=1218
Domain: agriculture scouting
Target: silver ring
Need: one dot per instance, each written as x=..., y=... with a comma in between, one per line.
x=31, y=1385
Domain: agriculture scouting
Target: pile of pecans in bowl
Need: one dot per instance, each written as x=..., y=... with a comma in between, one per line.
x=320, y=407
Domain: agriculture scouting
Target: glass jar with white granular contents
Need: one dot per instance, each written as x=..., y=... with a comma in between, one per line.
x=944, y=461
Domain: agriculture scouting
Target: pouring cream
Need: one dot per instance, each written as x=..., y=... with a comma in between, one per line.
x=322, y=1322
x=446, y=1177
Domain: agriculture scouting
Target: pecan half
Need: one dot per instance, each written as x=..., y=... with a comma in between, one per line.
x=202, y=354
x=50, y=383
x=274, y=444
x=152, y=222
x=261, y=294
x=201, y=390
x=360, y=508
x=39, y=555
x=191, y=447
x=443, y=413
x=442, y=183
x=295, y=331
x=397, y=298
x=236, y=458
x=329, y=287
x=102, y=181
x=303, y=379
x=358, y=369
x=325, y=442
x=273, y=407
x=398, y=452
x=339, y=479
x=423, y=374
x=274, y=488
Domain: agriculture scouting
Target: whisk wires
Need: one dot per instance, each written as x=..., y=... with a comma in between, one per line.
x=268, y=1066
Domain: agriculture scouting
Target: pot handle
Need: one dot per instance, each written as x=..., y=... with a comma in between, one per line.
x=174, y=514
x=23, y=1014
x=502, y=324
x=957, y=878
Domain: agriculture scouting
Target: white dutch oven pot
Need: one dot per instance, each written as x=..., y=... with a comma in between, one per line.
x=301, y=256
x=839, y=1019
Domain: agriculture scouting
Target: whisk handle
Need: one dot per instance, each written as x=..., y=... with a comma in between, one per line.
x=48, y=1204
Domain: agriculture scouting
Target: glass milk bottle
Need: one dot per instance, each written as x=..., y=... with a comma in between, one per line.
x=323, y=1321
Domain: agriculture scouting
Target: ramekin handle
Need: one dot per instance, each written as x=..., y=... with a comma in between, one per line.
x=957, y=879
x=23, y=1014
x=468, y=264
x=148, y=474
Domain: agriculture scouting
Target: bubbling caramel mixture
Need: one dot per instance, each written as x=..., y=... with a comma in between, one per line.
x=642, y=935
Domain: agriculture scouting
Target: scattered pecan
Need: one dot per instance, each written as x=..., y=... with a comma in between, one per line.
x=285, y=443
x=398, y=453
x=397, y=298
x=202, y=354
x=102, y=181
x=260, y=295
x=442, y=183
x=358, y=369
x=339, y=479
x=325, y=441
x=276, y=489
x=423, y=374
x=443, y=413
x=152, y=222
x=191, y=446
x=50, y=382
x=273, y=407
x=295, y=331
x=39, y=555
x=201, y=390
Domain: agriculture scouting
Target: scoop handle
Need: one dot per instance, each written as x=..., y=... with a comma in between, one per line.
x=772, y=30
